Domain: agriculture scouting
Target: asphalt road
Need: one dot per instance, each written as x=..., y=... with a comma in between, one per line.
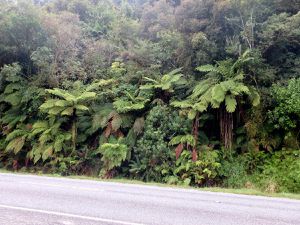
x=34, y=200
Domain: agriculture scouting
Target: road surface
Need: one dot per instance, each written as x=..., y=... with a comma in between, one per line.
x=35, y=200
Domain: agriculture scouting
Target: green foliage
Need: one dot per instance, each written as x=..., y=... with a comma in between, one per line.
x=224, y=83
x=283, y=170
x=69, y=104
x=166, y=83
x=287, y=108
x=201, y=172
x=16, y=139
x=152, y=151
x=182, y=139
x=89, y=86
x=286, y=113
x=130, y=99
x=113, y=154
x=51, y=140
x=233, y=172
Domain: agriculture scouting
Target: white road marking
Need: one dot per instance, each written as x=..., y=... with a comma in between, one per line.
x=98, y=219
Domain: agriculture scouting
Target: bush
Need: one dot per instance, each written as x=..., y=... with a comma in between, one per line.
x=113, y=154
x=283, y=171
x=233, y=172
x=152, y=151
x=201, y=172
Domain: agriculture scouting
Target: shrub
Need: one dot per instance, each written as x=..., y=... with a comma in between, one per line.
x=201, y=172
x=283, y=171
x=113, y=154
x=152, y=151
x=233, y=172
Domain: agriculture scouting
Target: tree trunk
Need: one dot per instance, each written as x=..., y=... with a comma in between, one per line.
x=74, y=132
x=195, y=133
x=226, y=128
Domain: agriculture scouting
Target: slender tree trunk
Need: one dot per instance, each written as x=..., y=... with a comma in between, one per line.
x=74, y=132
x=195, y=133
x=226, y=128
x=74, y=135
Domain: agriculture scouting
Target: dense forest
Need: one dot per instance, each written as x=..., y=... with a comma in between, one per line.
x=188, y=92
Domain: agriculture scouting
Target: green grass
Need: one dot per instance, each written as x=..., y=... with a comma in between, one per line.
x=243, y=191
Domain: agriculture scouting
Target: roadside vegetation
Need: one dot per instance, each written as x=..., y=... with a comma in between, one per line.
x=199, y=93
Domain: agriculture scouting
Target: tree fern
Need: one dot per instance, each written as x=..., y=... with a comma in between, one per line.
x=223, y=86
x=166, y=83
x=69, y=103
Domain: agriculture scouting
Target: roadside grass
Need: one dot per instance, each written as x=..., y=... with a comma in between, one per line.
x=242, y=191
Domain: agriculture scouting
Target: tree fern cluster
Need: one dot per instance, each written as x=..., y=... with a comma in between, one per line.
x=185, y=92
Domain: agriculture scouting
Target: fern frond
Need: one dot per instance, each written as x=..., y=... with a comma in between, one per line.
x=48, y=105
x=254, y=96
x=201, y=88
x=175, y=72
x=40, y=125
x=14, y=99
x=16, y=133
x=86, y=96
x=218, y=93
x=48, y=152
x=82, y=108
x=230, y=103
x=61, y=103
x=66, y=112
x=182, y=104
x=16, y=145
x=150, y=80
x=62, y=94
x=207, y=68
x=200, y=106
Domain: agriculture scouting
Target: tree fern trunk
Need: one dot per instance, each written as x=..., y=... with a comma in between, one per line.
x=195, y=134
x=74, y=131
x=226, y=128
x=74, y=134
